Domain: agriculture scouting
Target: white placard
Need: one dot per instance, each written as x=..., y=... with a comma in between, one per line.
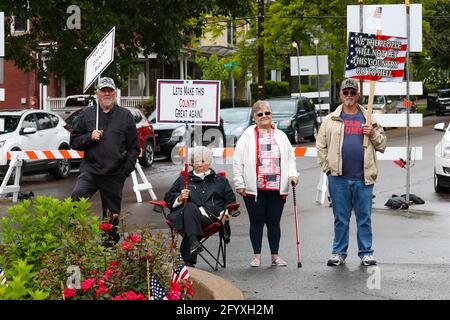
x=2, y=34
x=2, y=94
x=308, y=65
x=99, y=59
x=394, y=89
x=393, y=22
x=188, y=101
x=2, y=124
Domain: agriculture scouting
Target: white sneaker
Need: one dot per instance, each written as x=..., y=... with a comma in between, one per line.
x=368, y=260
x=336, y=260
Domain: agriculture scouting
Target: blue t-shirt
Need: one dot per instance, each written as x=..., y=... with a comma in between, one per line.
x=352, y=148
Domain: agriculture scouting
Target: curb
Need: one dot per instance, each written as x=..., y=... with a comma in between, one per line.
x=208, y=286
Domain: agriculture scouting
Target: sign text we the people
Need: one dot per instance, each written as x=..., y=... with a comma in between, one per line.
x=375, y=57
x=195, y=102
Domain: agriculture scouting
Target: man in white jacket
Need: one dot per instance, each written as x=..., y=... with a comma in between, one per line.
x=264, y=166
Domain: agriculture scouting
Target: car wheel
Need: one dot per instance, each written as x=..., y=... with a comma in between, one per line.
x=62, y=169
x=296, y=135
x=314, y=134
x=147, y=155
x=437, y=185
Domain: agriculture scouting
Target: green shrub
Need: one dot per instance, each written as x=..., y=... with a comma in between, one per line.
x=20, y=283
x=271, y=89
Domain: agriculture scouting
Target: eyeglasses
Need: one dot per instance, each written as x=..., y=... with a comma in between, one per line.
x=349, y=92
x=260, y=114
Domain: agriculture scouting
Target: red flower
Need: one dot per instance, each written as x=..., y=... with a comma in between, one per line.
x=87, y=284
x=127, y=246
x=117, y=298
x=174, y=294
x=113, y=264
x=106, y=226
x=108, y=273
x=101, y=289
x=69, y=293
x=130, y=295
x=134, y=238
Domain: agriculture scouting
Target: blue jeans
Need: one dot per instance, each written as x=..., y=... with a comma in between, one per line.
x=346, y=195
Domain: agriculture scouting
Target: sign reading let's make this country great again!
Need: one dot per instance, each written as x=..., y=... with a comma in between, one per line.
x=375, y=57
x=188, y=101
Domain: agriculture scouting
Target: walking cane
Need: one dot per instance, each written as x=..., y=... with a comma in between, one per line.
x=299, y=261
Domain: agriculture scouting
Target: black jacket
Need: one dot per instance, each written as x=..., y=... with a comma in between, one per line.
x=116, y=153
x=214, y=193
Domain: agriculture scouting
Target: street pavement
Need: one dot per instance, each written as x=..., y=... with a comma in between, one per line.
x=412, y=246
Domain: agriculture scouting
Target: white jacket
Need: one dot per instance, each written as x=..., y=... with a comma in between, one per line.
x=244, y=161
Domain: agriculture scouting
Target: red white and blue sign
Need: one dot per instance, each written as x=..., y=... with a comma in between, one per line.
x=375, y=57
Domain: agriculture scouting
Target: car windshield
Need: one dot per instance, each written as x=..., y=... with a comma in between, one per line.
x=444, y=94
x=8, y=123
x=80, y=101
x=231, y=115
x=376, y=100
x=72, y=119
x=282, y=106
x=152, y=117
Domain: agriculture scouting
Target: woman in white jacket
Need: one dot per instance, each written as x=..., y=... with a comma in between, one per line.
x=264, y=166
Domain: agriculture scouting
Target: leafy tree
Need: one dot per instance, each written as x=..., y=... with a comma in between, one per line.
x=142, y=26
x=213, y=69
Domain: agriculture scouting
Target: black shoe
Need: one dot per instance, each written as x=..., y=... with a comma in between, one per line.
x=196, y=247
x=226, y=232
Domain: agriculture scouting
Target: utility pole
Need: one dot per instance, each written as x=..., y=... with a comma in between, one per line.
x=260, y=51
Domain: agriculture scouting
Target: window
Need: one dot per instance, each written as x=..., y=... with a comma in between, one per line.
x=19, y=24
x=133, y=81
x=44, y=121
x=55, y=120
x=29, y=122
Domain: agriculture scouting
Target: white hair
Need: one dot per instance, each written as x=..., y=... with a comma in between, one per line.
x=200, y=152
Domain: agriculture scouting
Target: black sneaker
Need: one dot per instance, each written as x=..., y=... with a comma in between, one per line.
x=196, y=247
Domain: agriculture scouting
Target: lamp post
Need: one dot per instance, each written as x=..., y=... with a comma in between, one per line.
x=296, y=46
x=316, y=42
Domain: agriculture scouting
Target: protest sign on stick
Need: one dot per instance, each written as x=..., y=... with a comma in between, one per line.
x=375, y=58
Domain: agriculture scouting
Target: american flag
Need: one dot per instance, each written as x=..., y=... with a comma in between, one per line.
x=181, y=272
x=377, y=13
x=369, y=57
x=2, y=277
x=157, y=290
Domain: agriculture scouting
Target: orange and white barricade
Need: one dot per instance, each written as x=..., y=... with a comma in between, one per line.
x=16, y=158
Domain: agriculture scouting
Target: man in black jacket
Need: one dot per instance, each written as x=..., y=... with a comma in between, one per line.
x=207, y=196
x=110, y=151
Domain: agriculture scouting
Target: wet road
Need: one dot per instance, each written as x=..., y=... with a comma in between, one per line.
x=413, y=248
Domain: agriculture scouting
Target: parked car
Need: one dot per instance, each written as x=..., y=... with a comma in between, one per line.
x=381, y=104
x=442, y=159
x=74, y=102
x=295, y=116
x=170, y=135
x=238, y=103
x=33, y=129
x=146, y=134
x=235, y=121
x=442, y=103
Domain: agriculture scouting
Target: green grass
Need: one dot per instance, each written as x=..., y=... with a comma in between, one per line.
x=422, y=108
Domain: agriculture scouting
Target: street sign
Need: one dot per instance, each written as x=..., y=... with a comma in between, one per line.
x=188, y=101
x=141, y=81
x=308, y=65
x=99, y=59
x=230, y=65
x=2, y=34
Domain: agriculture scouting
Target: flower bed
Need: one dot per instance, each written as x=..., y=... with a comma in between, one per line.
x=51, y=249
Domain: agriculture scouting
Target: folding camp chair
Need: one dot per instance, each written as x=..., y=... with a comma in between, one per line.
x=214, y=228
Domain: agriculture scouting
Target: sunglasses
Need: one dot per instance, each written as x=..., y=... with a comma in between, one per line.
x=349, y=92
x=267, y=113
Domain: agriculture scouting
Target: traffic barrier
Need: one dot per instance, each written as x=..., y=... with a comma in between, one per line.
x=16, y=159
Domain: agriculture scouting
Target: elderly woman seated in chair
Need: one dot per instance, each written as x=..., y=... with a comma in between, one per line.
x=207, y=197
